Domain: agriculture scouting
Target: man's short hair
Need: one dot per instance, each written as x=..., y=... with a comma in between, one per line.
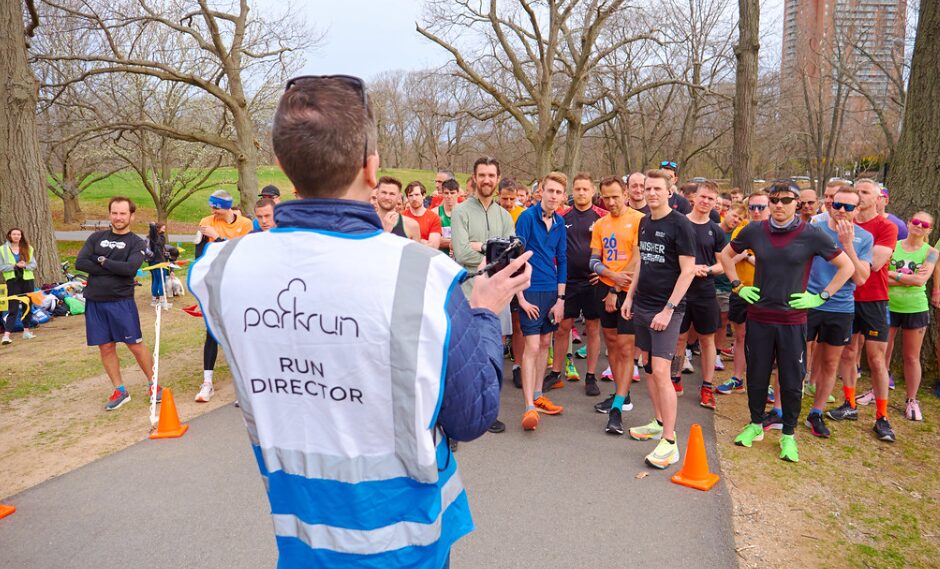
x=688, y=188
x=450, y=184
x=738, y=208
x=861, y=181
x=264, y=202
x=389, y=180
x=448, y=173
x=724, y=195
x=558, y=177
x=631, y=174
x=708, y=185
x=416, y=184
x=486, y=161
x=757, y=194
x=221, y=194
x=845, y=190
x=506, y=184
x=608, y=180
x=834, y=183
x=319, y=134
x=130, y=203
x=660, y=174
x=583, y=176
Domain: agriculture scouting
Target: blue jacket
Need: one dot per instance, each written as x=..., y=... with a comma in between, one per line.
x=550, y=249
x=474, y=354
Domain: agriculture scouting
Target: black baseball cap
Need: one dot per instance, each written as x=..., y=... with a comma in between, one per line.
x=268, y=191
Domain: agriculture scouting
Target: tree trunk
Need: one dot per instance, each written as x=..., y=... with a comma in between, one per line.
x=246, y=161
x=911, y=175
x=745, y=93
x=72, y=209
x=573, y=142
x=24, y=201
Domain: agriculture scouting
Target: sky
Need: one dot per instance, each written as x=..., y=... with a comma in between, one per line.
x=367, y=37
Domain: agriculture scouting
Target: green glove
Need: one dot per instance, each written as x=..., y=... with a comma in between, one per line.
x=804, y=300
x=750, y=294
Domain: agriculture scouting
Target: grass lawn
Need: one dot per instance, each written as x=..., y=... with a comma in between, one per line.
x=94, y=200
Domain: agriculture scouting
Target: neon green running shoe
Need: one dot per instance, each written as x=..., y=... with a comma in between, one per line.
x=651, y=430
x=571, y=372
x=582, y=352
x=752, y=432
x=551, y=355
x=788, y=449
x=665, y=454
x=809, y=390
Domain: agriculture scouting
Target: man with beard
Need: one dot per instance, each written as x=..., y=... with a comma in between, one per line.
x=387, y=200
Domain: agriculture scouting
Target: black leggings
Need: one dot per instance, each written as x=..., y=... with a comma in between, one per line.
x=14, y=287
x=763, y=345
x=210, y=352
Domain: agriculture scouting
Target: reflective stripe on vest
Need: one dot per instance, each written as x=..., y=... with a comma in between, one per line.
x=336, y=481
x=6, y=255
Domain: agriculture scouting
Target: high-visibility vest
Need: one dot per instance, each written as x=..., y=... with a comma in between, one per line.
x=6, y=256
x=337, y=345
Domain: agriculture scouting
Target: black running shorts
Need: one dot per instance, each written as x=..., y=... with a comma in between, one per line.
x=737, y=309
x=910, y=321
x=832, y=328
x=613, y=319
x=703, y=313
x=871, y=320
x=582, y=299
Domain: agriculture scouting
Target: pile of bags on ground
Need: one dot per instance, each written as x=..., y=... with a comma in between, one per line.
x=50, y=302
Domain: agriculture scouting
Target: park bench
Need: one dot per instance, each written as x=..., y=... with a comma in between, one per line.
x=95, y=224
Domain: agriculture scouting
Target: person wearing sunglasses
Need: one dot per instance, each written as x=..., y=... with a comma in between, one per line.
x=776, y=315
x=677, y=201
x=757, y=204
x=809, y=205
x=912, y=264
x=348, y=377
x=829, y=326
x=882, y=206
x=871, y=315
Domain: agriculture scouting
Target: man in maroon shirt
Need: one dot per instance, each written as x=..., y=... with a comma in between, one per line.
x=871, y=314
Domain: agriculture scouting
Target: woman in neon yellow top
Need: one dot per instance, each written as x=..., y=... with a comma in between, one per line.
x=912, y=264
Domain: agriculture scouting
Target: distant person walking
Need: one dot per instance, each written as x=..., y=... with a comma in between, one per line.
x=17, y=263
x=157, y=239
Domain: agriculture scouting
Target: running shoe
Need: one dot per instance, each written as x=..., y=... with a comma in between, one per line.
x=575, y=337
x=636, y=373
x=651, y=430
x=749, y=435
x=581, y=353
x=571, y=372
x=159, y=393
x=497, y=426
x=614, y=422
x=727, y=353
x=788, y=450
x=544, y=405
x=809, y=390
x=687, y=366
x=664, y=455
x=733, y=385
x=770, y=395
x=605, y=405
x=117, y=399
x=817, y=425
x=719, y=365
x=772, y=421
x=844, y=412
x=590, y=386
x=912, y=410
x=695, y=348
x=706, y=397
x=866, y=398
x=891, y=385
x=607, y=375
x=205, y=393
x=6, y=339
x=677, y=385
x=883, y=430
x=552, y=381
x=530, y=420
x=517, y=377
x=28, y=335
x=627, y=403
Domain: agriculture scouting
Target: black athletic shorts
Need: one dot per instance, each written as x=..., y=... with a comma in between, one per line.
x=910, y=321
x=832, y=328
x=871, y=320
x=582, y=298
x=737, y=309
x=703, y=313
x=658, y=344
x=612, y=319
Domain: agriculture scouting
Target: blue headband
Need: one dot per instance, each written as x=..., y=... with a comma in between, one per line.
x=219, y=203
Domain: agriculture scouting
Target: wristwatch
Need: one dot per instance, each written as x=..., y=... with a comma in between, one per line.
x=101, y=259
x=670, y=306
x=825, y=295
x=735, y=285
x=561, y=297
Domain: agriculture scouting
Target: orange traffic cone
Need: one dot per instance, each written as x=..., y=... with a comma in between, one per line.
x=169, y=426
x=6, y=510
x=694, y=473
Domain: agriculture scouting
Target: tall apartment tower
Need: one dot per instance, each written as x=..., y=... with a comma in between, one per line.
x=867, y=35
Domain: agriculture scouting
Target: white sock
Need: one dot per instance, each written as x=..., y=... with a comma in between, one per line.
x=207, y=375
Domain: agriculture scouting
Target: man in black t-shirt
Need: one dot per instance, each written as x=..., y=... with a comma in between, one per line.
x=655, y=303
x=636, y=192
x=784, y=248
x=111, y=258
x=581, y=294
x=676, y=200
x=701, y=308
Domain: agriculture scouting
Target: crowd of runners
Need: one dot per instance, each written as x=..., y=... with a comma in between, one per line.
x=788, y=287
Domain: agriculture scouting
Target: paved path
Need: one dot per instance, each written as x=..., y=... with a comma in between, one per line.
x=83, y=235
x=564, y=496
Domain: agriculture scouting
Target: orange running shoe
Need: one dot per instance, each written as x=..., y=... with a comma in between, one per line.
x=707, y=398
x=530, y=420
x=544, y=405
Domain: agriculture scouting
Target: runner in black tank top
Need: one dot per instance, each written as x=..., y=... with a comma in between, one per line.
x=399, y=228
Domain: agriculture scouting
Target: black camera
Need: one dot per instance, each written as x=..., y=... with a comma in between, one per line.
x=500, y=251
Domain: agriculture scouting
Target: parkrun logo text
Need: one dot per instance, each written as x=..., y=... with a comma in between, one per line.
x=289, y=316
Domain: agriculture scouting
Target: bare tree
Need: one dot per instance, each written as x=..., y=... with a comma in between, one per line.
x=745, y=94
x=24, y=202
x=249, y=57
